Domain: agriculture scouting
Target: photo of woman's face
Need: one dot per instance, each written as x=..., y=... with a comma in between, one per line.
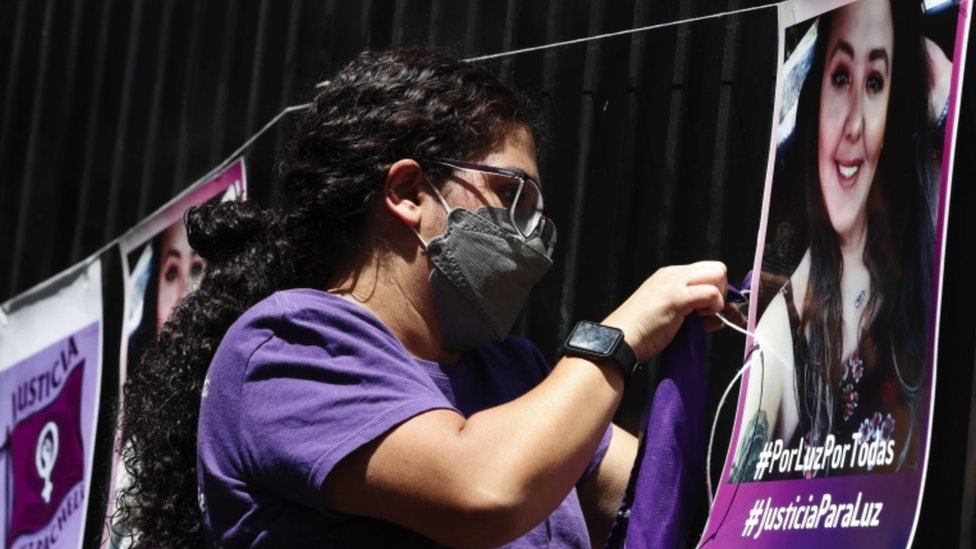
x=179, y=273
x=853, y=109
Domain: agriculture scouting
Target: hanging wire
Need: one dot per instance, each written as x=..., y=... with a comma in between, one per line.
x=595, y=37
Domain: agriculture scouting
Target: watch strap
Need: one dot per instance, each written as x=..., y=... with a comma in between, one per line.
x=626, y=358
x=620, y=352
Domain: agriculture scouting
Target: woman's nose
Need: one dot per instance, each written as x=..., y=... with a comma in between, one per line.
x=854, y=124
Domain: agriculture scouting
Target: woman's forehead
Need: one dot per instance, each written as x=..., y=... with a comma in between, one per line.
x=865, y=26
x=517, y=152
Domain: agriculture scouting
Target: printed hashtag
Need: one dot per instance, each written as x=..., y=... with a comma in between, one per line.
x=763, y=462
x=753, y=519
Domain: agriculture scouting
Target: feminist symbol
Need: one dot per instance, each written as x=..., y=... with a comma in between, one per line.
x=45, y=456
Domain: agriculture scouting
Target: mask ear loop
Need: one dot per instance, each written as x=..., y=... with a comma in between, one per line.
x=447, y=208
x=440, y=197
x=423, y=244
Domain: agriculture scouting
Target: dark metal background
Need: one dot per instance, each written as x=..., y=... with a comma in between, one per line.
x=656, y=148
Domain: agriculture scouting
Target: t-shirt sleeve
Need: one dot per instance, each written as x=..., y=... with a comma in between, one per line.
x=318, y=389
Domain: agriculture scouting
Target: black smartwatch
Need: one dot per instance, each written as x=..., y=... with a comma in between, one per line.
x=599, y=343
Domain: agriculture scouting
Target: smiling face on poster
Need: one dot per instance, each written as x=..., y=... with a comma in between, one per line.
x=845, y=333
x=854, y=95
x=830, y=442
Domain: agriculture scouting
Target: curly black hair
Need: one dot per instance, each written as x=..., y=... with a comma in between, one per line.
x=382, y=107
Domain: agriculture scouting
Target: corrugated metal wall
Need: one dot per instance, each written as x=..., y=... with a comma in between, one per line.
x=656, y=151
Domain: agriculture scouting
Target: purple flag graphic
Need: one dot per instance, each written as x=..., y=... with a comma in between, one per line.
x=46, y=459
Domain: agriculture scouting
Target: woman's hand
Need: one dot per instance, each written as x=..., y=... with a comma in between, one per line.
x=651, y=316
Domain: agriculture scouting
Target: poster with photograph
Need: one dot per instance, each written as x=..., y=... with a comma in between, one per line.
x=50, y=372
x=830, y=442
x=160, y=269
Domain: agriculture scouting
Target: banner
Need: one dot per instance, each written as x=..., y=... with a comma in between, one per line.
x=831, y=437
x=160, y=269
x=50, y=372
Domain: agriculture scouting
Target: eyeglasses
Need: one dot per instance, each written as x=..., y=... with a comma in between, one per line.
x=522, y=200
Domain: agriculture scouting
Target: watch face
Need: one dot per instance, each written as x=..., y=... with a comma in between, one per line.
x=595, y=338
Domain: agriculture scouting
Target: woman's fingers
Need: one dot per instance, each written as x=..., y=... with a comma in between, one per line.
x=707, y=299
x=708, y=272
x=653, y=314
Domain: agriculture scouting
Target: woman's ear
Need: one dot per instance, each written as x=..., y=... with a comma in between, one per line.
x=401, y=191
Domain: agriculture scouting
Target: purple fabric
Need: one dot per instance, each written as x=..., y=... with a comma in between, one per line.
x=303, y=379
x=670, y=467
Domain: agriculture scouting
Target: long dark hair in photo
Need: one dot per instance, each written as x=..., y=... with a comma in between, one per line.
x=380, y=108
x=899, y=248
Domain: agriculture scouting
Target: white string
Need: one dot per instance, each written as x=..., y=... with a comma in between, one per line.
x=711, y=438
x=550, y=45
x=624, y=32
x=721, y=404
x=250, y=141
x=734, y=326
x=190, y=188
x=761, y=345
x=769, y=348
x=293, y=108
x=620, y=33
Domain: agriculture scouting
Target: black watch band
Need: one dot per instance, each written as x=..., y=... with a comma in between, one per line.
x=598, y=342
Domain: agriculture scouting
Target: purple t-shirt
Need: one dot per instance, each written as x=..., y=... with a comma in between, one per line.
x=303, y=379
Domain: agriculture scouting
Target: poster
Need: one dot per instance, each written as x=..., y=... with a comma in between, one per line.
x=160, y=269
x=831, y=437
x=50, y=372
x=159, y=266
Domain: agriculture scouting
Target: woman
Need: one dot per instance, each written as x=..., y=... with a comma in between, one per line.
x=179, y=272
x=174, y=270
x=374, y=400
x=844, y=343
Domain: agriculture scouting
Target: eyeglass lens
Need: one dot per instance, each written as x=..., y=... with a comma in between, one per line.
x=524, y=208
x=527, y=209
